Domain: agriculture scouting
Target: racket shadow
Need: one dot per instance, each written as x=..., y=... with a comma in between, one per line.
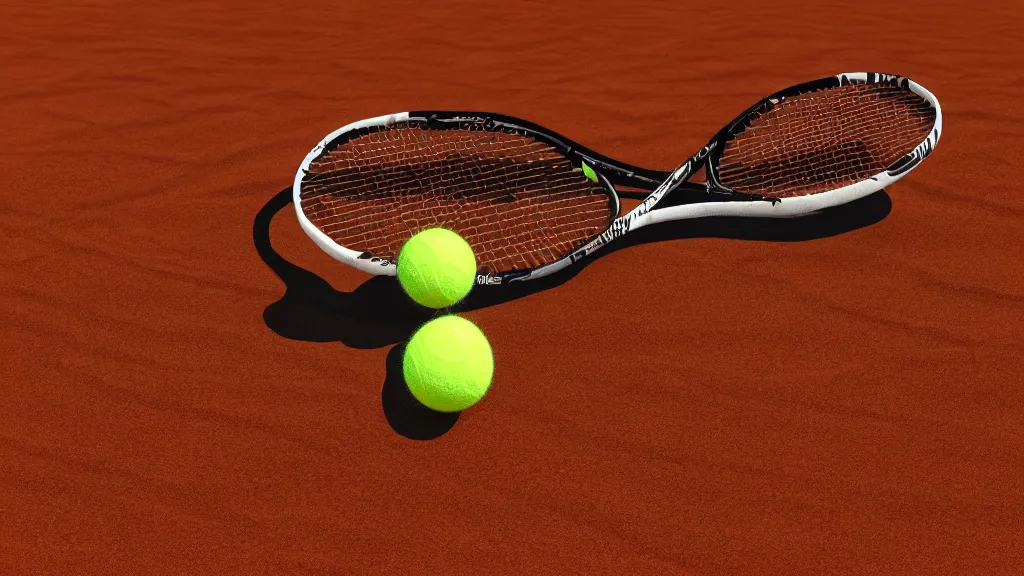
x=375, y=315
x=378, y=314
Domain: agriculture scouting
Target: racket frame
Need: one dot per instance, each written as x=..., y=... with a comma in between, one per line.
x=610, y=173
x=718, y=199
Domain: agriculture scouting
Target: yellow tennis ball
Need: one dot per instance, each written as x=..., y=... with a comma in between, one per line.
x=448, y=364
x=436, y=268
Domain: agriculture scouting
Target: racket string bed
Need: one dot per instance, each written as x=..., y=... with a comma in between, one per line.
x=823, y=140
x=517, y=201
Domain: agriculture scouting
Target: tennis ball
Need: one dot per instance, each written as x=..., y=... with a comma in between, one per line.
x=448, y=364
x=436, y=268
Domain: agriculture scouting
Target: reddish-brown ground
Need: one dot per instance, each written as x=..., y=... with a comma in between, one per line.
x=191, y=387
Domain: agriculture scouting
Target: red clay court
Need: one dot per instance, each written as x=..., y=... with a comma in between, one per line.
x=192, y=387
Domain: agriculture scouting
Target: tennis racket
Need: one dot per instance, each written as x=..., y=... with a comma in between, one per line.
x=531, y=202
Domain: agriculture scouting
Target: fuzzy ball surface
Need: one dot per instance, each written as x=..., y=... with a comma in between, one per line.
x=436, y=268
x=448, y=364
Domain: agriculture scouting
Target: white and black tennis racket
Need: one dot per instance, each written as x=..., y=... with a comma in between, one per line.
x=531, y=202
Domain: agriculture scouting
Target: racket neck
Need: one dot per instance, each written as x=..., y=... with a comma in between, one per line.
x=640, y=216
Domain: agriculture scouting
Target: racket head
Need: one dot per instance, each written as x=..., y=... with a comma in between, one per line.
x=730, y=189
x=397, y=174
x=824, y=143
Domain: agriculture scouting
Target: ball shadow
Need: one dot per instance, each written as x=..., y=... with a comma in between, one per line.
x=406, y=415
